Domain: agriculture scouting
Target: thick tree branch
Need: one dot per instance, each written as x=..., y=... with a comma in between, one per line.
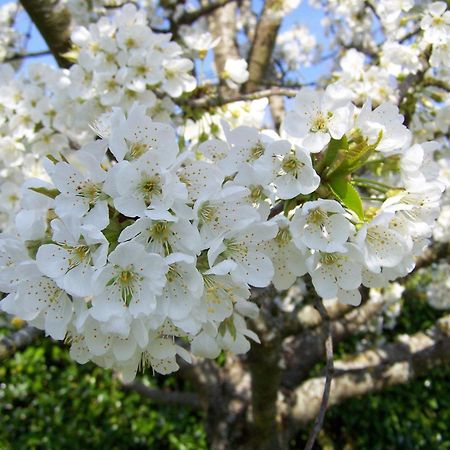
x=306, y=317
x=374, y=370
x=265, y=371
x=305, y=348
x=222, y=24
x=17, y=341
x=276, y=104
x=304, y=351
x=52, y=19
x=263, y=44
x=164, y=397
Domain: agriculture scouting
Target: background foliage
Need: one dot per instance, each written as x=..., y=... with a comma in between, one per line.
x=48, y=401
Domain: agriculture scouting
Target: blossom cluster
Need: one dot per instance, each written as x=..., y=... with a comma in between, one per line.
x=119, y=60
x=296, y=47
x=135, y=251
x=437, y=290
x=375, y=70
x=10, y=39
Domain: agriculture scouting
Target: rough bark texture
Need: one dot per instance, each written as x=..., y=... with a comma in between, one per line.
x=304, y=351
x=374, y=370
x=222, y=24
x=265, y=371
x=263, y=44
x=52, y=19
x=276, y=105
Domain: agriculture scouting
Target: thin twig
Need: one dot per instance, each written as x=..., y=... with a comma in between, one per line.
x=409, y=35
x=275, y=210
x=27, y=55
x=211, y=101
x=191, y=16
x=329, y=370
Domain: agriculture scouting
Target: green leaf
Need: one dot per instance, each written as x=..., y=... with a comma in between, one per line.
x=332, y=150
x=52, y=193
x=289, y=205
x=228, y=325
x=347, y=194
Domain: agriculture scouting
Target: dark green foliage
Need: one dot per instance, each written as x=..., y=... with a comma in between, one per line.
x=48, y=402
x=412, y=417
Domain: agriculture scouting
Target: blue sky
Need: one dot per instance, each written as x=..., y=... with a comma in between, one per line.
x=304, y=14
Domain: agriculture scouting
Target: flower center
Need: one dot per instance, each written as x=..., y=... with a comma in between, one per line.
x=320, y=123
x=130, y=42
x=233, y=247
x=160, y=231
x=217, y=292
x=126, y=278
x=173, y=273
x=256, y=193
x=438, y=20
x=329, y=258
x=136, y=149
x=283, y=237
x=77, y=255
x=292, y=165
x=256, y=152
x=374, y=236
x=89, y=191
x=316, y=216
x=207, y=213
x=150, y=187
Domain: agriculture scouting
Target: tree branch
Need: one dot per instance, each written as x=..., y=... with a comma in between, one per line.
x=189, y=17
x=264, y=366
x=18, y=340
x=408, y=88
x=329, y=370
x=217, y=100
x=263, y=44
x=164, y=397
x=304, y=351
x=27, y=55
x=441, y=84
x=374, y=370
x=52, y=19
x=222, y=24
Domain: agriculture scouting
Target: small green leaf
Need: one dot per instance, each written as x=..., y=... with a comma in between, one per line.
x=222, y=329
x=347, y=194
x=289, y=205
x=232, y=329
x=228, y=325
x=332, y=150
x=52, y=193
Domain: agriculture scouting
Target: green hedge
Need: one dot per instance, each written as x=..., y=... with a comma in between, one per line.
x=48, y=402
